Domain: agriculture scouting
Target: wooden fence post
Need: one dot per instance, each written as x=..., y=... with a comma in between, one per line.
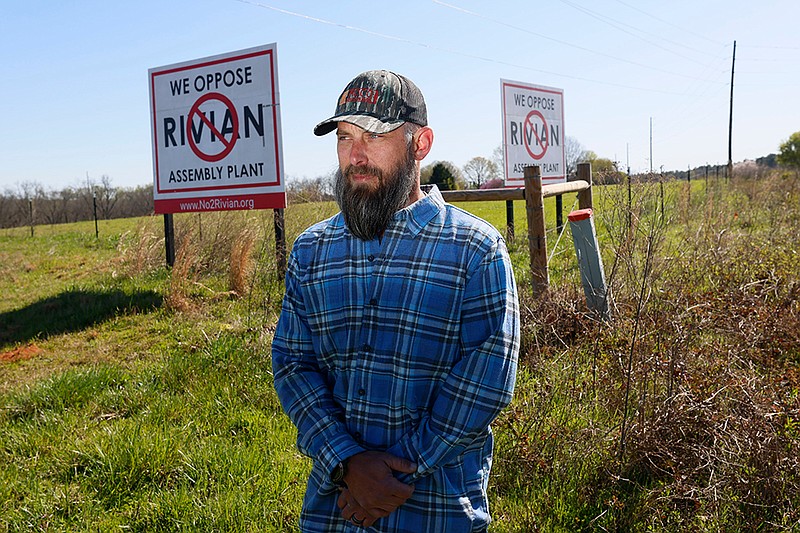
x=559, y=212
x=534, y=194
x=510, y=220
x=537, y=236
x=585, y=200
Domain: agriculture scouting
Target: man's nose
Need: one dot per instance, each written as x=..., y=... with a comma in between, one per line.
x=358, y=153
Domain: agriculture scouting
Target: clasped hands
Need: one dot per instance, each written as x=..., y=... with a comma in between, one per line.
x=372, y=490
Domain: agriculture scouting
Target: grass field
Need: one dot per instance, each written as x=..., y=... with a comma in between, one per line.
x=136, y=398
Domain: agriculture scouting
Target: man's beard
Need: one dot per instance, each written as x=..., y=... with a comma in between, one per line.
x=368, y=211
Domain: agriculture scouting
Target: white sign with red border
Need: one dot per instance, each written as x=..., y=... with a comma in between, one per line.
x=217, y=133
x=533, y=131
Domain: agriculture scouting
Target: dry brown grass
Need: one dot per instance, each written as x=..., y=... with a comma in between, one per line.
x=242, y=263
x=231, y=246
x=141, y=251
x=683, y=414
x=183, y=278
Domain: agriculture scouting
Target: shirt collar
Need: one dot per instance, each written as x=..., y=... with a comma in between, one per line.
x=417, y=215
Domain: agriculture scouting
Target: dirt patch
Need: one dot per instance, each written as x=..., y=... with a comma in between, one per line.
x=19, y=353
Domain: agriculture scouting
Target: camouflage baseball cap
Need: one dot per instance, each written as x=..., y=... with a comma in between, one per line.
x=378, y=101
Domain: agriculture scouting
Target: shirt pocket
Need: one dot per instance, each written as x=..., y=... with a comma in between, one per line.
x=332, y=318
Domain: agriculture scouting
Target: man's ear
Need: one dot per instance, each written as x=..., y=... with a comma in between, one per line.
x=423, y=142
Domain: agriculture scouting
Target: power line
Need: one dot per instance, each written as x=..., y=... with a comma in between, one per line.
x=455, y=52
x=625, y=28
x=773, y=47
x=668, y=23
x=562, y=42
x=330, y=23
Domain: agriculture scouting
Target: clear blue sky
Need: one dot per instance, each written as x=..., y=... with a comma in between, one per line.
x=75, y=101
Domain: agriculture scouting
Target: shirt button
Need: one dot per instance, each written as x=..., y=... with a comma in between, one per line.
x=361, y=392
x=357, y=436
x=366, y=347
x=373, y=301
x=370, y=258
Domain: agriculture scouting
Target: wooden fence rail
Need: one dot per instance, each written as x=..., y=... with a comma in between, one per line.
x=534, y=194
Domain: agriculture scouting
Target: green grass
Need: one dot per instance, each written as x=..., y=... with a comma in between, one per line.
x=196, y=442
x=137, y=399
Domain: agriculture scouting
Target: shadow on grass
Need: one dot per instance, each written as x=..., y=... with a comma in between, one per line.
x=72, y=310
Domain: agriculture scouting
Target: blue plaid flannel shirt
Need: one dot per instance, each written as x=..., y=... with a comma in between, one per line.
x=407, y=344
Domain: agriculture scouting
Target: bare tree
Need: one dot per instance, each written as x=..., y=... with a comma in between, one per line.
x=479, y=170
x=68, y=199
x=302, y=190
x=23, y=207
x=6, y=209
x=49, y=207
x=103, y=194
x=499, y=159
x=574, y=153
x=86, y=193
x=134, y=202
x=106, y=197
x=14, y=208
x=71, y=204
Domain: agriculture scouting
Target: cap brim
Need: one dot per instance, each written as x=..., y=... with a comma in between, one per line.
x=365, y=122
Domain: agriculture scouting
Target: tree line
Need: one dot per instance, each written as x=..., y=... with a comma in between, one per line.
x=30, y=204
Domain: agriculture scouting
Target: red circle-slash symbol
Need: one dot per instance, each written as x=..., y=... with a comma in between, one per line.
x=530, y=131
x=227, y=144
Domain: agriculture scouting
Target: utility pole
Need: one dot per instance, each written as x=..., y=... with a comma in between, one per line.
x=661, y=186
x=730, y=122
x=628, y=163
x=651, y=146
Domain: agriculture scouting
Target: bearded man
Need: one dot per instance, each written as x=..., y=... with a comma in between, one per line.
x=398, y=337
